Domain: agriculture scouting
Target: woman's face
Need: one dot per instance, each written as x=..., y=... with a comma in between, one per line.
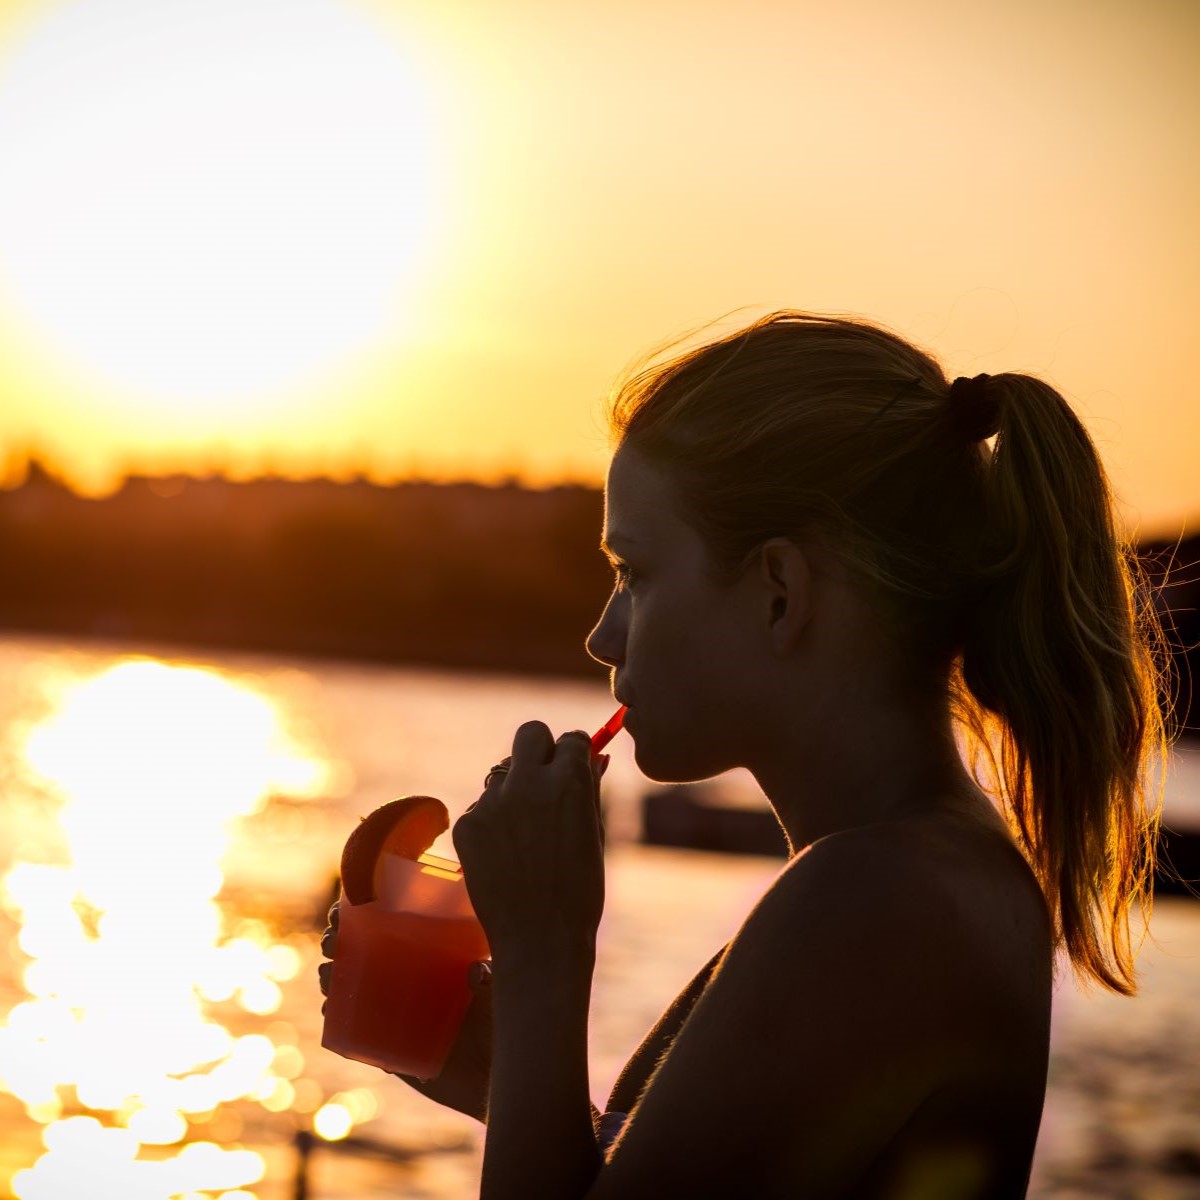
x=680, y=646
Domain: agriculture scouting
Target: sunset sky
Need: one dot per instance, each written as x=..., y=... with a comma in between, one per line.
x=398, y=236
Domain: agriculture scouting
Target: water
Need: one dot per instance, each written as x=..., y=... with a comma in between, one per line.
x=137, y=787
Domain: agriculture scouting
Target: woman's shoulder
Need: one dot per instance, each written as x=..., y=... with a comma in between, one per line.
x=933, y=903
x=857, y=989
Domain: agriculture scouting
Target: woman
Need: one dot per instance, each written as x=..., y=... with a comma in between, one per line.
x=825, y=569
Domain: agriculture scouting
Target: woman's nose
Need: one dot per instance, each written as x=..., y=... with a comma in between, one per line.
x=606, y=642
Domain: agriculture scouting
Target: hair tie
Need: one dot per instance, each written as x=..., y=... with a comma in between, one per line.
x=974, y=408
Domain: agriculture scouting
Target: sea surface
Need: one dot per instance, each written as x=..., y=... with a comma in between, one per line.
x=172, y=823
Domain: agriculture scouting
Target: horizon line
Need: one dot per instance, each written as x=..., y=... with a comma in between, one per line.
x=17, y=468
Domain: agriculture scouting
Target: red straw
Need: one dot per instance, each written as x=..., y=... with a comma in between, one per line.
x=608, y=730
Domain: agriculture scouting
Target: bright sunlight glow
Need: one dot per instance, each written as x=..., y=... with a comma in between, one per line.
x=206, y=203
x=134, y=975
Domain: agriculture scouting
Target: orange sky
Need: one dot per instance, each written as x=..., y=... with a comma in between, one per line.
x=336, y=235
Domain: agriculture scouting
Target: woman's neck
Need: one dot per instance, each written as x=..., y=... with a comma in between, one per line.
x=865, y=763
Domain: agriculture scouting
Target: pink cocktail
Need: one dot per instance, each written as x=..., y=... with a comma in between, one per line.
x=399, y=990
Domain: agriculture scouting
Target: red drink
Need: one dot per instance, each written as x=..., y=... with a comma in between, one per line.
x=399, y=988
x=398, y=993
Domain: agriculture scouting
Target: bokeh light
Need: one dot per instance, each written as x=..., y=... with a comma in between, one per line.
x=139, y=987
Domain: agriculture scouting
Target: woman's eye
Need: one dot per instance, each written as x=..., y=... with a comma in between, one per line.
x=624, y=576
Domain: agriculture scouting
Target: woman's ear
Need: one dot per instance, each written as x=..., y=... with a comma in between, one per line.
x=787, y=577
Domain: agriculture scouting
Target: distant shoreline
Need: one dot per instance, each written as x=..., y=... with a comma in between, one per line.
x=496, y=578
x=178, y=650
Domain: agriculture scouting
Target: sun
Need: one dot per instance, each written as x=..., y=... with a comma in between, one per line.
x=207, y=205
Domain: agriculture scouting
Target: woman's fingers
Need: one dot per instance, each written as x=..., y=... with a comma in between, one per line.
x=493, y=781
x=575, y=743
x=599, y=766
x=533, y=746
x=498, y=772
x=574, y=751
x=329, y=942
x=328, y=946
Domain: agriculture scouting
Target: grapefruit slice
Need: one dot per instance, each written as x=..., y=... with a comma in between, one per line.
x=406, y=827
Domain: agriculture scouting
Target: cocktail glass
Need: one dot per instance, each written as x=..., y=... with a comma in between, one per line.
x=399, y=992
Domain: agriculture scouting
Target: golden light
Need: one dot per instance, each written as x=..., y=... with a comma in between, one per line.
x=333, y=1122
x=205, y=210
x=133, y=970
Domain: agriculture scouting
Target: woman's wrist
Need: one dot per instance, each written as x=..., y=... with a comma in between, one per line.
x=541, y=1122
x=566, y=969
x=568, y=951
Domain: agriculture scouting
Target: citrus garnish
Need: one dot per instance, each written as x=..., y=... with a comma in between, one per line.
x=406, y=827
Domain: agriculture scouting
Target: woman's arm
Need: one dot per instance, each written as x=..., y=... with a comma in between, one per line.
x=541, y=1138
x=532, y=853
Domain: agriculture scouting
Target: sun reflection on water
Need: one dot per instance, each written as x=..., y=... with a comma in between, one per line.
x=123, y=1048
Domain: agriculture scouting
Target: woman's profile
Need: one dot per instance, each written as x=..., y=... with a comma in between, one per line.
x=903, y=605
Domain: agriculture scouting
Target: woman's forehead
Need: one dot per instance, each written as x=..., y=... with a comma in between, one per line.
x=640, y=504
x=634, y=493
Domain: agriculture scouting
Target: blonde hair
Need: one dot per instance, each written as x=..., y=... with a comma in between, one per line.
x=997, y=559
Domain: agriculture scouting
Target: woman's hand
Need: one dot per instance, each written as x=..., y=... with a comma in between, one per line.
x=466, y=1076
x=532, y=848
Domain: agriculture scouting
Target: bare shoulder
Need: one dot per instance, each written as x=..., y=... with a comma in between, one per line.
x=861, y=985
x=956, y=902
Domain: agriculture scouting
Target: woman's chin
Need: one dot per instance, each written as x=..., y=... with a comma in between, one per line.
x=673, y=768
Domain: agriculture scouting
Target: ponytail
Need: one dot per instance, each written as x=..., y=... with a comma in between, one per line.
x=1058, y=680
